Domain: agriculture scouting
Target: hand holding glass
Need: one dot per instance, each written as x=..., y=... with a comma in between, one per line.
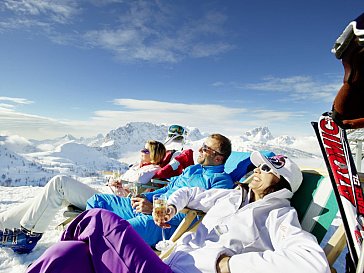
x=133, y=189
x=159, y=215
x=117, y=187
x=115, y=184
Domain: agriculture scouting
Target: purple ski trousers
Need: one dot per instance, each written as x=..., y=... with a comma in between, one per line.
x=99, y=241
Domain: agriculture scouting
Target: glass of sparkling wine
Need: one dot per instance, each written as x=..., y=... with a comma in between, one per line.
x=159, y=212
x=133, y=189
x=115, y=184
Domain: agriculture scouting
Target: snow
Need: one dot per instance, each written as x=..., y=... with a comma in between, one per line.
x=25, y=166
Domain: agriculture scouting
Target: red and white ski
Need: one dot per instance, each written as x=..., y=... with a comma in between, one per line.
x=345, y=180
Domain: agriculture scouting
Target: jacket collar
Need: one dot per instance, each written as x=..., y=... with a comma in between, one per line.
x=214, y=169
x=281, y=194
x=145, y=164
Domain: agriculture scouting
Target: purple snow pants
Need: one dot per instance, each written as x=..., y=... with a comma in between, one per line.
x=99, y=241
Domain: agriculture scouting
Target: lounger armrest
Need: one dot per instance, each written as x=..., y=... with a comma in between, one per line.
x=185, y=226
x=335, y=245
x=186, y=223
x=159, y=181
x=72, y=211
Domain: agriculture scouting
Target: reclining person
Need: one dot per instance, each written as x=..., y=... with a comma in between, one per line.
x=22, y=226
x=253, y=229
x=208, y=173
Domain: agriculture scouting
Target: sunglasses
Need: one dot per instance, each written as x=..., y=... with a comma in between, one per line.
x=206, y=148
x=145, y=151
x=267, y=169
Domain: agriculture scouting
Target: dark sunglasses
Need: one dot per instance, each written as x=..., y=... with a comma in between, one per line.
x=267, y=169
x=206, y=148
x=145, y=151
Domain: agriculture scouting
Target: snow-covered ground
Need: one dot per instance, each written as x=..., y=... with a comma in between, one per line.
x=26, y=168
x=11, y=196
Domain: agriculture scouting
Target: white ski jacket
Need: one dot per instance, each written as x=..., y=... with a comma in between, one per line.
x=140, y=174
x=262, y=236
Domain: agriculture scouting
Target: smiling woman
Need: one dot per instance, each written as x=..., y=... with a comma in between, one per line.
x=267, y=179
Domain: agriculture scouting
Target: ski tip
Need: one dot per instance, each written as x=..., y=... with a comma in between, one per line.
x=327, y=114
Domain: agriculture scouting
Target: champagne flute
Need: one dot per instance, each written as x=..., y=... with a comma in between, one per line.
x=159, y=212
x=117, y=184
x=111, y=180
x=133, y=189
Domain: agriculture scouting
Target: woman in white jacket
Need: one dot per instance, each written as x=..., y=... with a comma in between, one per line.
x=251, y=230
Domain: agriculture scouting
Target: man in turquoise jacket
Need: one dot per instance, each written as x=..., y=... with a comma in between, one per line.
x=208, y=173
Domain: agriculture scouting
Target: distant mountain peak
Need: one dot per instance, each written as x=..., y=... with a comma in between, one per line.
x=283, y=140
x=259, y=134
x=133, y=135
x=69, y=137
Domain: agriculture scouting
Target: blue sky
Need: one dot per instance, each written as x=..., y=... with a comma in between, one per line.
x=87, y=67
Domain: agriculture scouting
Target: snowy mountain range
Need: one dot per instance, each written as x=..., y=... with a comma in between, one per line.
x=33, y=162
x=15, y=169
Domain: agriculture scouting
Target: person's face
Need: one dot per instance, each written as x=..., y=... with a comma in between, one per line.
x=145, y=154
x=261, y=181
x=209, y=153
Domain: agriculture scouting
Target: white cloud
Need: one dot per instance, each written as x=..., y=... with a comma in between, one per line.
x=138, y=31
x=217, y=84
x=207, y=117
x=105, y=2
x=12, y=102
x=140, y=37
x=297, y=87
x=170, y=108
x=5, y=106
x=206, y=50
x=16, y=140
x=23, y=23
x=60, y=11
x=273, y=115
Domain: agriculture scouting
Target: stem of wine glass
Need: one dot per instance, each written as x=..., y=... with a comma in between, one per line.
x=163, y=236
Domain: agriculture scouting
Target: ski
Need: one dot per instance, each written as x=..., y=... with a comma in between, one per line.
x=345, y=180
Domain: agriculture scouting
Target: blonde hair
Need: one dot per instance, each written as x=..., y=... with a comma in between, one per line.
x=157, y=151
